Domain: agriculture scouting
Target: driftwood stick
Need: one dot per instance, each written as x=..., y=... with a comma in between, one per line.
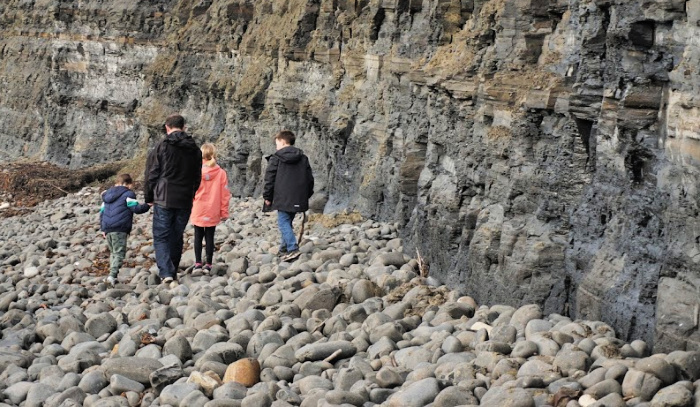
x=319, y=326
x=333, y=355
x=422, y=266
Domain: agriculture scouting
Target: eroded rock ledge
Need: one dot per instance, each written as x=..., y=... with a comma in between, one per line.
x=533, y=150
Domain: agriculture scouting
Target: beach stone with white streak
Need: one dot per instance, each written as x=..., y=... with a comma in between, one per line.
x=320, y=351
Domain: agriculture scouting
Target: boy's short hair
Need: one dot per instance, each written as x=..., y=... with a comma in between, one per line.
x=208, y=151
x=124, y=179
x=175, y=121
x=287, y=136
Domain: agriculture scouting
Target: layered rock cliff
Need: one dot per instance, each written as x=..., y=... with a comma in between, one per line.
x=532, y=150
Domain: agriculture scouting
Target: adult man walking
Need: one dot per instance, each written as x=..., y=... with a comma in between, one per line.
x=173, y=174
x=289, y=183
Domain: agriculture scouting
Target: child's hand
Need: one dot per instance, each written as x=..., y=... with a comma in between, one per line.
x=104, y=235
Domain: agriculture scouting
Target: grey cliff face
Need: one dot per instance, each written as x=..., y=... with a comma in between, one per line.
x=532, y=150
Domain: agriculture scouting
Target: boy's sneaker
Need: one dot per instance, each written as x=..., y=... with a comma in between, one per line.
x=197, y=266
x=293, y=255
x=167, y=280
x=282, y=252
x=206, y=269
x=111, y=280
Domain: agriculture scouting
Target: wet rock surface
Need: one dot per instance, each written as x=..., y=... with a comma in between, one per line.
x=210, y=340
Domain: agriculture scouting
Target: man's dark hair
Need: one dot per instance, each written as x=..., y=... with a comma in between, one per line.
x=124, y=179
x=287, y=136
x=175, y=121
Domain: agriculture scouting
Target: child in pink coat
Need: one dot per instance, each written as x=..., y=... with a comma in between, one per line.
x=210, y=206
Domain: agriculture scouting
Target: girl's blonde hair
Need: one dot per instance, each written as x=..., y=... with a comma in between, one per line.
x=208, y=151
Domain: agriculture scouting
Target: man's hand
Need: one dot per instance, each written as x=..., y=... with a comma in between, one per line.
x=268, y=203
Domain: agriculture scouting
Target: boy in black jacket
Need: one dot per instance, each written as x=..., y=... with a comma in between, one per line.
x=116, y=220
x=289, y=183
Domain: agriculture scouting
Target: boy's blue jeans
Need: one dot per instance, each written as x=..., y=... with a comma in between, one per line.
x=284, y=222
x=168, y=229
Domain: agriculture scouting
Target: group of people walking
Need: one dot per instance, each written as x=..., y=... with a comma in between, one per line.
x=183, y=183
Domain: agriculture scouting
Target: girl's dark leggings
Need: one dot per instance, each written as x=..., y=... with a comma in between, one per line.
x=206, y=233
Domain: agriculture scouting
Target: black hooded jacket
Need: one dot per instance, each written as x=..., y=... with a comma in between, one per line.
x=289, y=182
x=173, y=171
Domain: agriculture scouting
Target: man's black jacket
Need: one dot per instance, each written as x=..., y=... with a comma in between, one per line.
x=173, y=171
x=289, y=182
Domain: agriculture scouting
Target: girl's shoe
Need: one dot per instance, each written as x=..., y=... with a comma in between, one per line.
x=207, y=268
x=197, y=266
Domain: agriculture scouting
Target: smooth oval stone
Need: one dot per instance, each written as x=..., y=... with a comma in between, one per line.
x=138, y=369
x=416, y=394
x=322, y=350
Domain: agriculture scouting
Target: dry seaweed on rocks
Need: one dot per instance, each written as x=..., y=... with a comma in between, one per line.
x=428, y=297
x=24, y=184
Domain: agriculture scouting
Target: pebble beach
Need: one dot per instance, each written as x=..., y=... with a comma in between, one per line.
x=356, y=320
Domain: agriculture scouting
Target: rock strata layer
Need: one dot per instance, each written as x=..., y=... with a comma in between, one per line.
x=542, y=151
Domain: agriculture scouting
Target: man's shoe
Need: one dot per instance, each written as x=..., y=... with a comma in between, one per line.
x=111, y=280
x=282, y=252
x=197, y=266
x=167, y=280
x=293, y=255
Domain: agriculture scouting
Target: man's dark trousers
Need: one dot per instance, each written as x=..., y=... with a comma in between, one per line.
x=168, y=229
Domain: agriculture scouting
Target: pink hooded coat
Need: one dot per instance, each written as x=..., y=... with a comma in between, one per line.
x=212, y=198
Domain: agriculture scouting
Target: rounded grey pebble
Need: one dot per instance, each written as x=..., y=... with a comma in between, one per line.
x=195, y=399
x=257, y=400
x=92, y=382
x=455, y=396
x=676, y=395
x=479, y=392
x=344, y=397
x=603, y=388
x=524, y=349
x=658, y=367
